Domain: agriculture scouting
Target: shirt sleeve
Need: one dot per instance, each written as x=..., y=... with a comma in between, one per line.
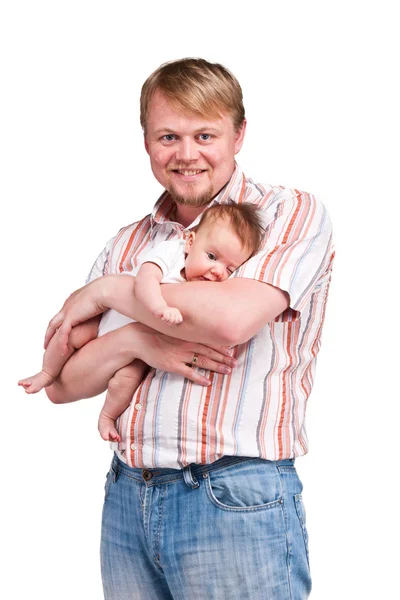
x=101, y=264
x=165, y=254
x=297, y=250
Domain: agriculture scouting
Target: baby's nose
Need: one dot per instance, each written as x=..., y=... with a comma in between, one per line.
x=217, y=271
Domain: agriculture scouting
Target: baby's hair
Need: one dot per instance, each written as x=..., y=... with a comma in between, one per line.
x=245, y=220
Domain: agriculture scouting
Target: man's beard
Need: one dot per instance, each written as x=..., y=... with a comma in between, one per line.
x=191, y=198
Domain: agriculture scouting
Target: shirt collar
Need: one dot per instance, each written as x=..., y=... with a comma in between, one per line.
x=233, y=191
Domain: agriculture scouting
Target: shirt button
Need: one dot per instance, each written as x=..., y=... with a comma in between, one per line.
x=138, y=406
x=147, y=475
x=133, y=446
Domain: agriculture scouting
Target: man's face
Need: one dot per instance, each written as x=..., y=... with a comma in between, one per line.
x=192, y=157
x=214, y=252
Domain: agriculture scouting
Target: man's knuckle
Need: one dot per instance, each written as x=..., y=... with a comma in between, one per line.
x=202, y=361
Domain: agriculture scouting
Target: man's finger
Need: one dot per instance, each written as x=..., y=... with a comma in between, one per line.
x=194, y=376
x=225, y=350
x=214, y=356
x=63, y=333
x=212, y=365
x=52, y=328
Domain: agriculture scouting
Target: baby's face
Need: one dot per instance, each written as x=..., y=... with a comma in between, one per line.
x=214, y=253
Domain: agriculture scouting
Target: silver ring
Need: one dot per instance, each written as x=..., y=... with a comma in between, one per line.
x=194, y=359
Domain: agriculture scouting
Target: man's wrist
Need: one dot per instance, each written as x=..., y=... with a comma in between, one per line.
x=131, y=340
x=113, y=287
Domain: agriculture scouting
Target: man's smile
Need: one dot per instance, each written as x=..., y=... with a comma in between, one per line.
x=188, y=174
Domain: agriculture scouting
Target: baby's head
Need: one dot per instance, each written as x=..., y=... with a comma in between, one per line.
x=226, y=237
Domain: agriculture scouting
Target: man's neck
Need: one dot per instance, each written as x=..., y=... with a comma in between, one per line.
x=185, y=215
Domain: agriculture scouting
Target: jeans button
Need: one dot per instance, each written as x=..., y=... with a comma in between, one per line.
x=147, y=475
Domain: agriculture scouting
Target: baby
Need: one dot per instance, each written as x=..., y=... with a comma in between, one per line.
x=226, y=237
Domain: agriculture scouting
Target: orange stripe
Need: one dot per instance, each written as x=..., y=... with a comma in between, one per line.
x=293, y=219
x=129, y=244
x=204, y=421
x=212, y=442
x=285, y=399
x=184, y=421
x=137, y=398
x=242, y=189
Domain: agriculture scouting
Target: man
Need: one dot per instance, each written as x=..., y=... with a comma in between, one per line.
x=203, y=499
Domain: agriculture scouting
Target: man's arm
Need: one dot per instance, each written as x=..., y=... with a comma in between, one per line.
x=227, y=313
x=88, y=371
x=224, y=313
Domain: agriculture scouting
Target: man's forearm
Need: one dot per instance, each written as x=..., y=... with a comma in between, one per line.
x=89, y=370
x=203, y=306
x=224, y=313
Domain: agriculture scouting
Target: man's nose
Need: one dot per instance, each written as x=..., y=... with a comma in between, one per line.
x=187, y=150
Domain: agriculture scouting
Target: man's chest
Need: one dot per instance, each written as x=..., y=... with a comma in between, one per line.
x=133, y=247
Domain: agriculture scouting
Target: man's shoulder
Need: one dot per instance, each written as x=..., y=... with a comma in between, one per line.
x=135, y=227
x=268, y=196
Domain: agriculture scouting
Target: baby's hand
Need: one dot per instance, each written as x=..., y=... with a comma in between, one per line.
x=169, y=314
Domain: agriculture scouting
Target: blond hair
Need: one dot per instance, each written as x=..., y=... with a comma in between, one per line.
x=196, y=86
x=245, y=220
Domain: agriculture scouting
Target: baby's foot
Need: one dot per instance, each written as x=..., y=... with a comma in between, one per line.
x=171, y=315
x=36, y=382
x=107, y=429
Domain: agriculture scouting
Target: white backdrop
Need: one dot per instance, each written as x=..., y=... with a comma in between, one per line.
x=321, y=97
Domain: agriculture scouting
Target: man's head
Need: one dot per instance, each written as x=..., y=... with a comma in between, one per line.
x=192, y=116
x=226, y=237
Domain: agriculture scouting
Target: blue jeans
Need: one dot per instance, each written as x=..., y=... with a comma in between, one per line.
x=233, y=530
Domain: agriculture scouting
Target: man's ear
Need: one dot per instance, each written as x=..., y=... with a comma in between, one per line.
x=189, y=242
x=240, y=136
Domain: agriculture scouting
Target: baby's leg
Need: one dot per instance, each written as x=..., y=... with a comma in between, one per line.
x=54, y=360
x=120, y=391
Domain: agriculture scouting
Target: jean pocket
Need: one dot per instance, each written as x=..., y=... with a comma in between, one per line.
x=301, y=513
x=107, y=485
x=242, y=490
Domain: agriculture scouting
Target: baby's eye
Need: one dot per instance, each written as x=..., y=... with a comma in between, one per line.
x=211, y=256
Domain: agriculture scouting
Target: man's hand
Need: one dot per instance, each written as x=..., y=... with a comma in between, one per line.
x=176, y=356
x=80, y=306
x=90, y=368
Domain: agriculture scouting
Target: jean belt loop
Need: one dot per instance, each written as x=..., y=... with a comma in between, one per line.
x=189, y=478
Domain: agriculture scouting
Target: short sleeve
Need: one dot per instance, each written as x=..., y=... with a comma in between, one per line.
x=165, y=254
x=297, y=250
x=101, y=264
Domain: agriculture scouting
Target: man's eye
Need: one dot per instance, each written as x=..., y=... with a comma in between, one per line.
x=211, y=256
x=169, y=137
x=205, y=137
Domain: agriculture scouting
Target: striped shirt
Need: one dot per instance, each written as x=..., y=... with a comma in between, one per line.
x=259, y=408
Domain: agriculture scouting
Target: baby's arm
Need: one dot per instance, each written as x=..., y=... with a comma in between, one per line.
x=54, y=359
x=148, y=292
